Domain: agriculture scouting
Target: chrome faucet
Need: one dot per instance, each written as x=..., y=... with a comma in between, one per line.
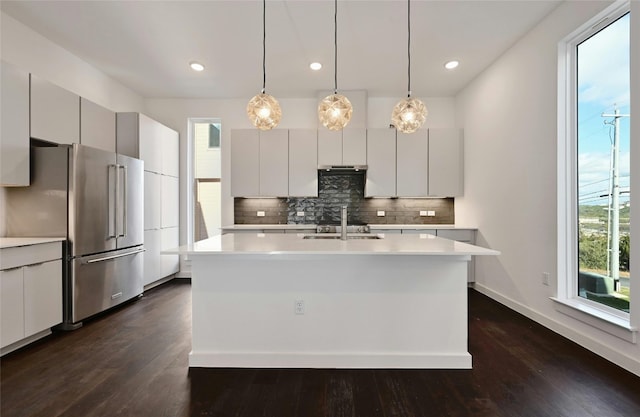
x=343, y=223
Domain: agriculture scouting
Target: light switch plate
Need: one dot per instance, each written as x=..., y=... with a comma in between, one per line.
x=300, y=213
x=260, y=214
x=380, y=213
x=431, y=213
x=423, y=212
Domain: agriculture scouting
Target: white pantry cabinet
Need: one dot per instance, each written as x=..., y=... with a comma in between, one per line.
x=14, y=126
x=274, y=163
x=446, y=162
x=344, y=147
x=55, y=112
x=411, y=168
x=381, y=161
x=303, y=163
x=30, y=293
x=97, y=126
x=157, y=145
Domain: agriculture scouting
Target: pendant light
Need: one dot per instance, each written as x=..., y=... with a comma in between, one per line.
x=335, y=109
x=264, y=110
x=409, y=114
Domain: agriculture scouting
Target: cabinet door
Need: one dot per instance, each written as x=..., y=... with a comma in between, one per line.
x=152, y=200
x=11, y=306
x=170, y=206
x=42, y=296
x=245, y=163
x=170, y=151
x=412, y=164
x=97, y=126
x=170, y=264
x=14, y=126
x=329, y=147
x=445, y=162
x=150, y=137
x=354, y=147
x=303, y=163
x=55, y=113
x=381, y=161
x=431, y=232
x=274, y=163
x=152, y=257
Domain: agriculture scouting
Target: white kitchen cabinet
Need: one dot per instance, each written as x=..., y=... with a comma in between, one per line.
x=152, y=256
x=55, y=112
x=170, y=145
x=42, y=296
x=139, y=136
x=245, y=163
x=381, y=161
x=431, y=232
x=14, y=126
x=344, y=147
x=169, y=206
x=152, y=200
x=169, y=239
x=274, y=163
x=303, y=163
x=11, y=306
x=411, y=167
x=97, y=126
x=446, y=174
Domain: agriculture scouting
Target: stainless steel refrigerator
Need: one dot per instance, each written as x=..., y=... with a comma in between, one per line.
x=95, y=198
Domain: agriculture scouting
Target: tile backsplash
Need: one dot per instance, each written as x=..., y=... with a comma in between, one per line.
x=338, y=188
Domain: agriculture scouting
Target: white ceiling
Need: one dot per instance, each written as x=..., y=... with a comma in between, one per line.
x=147, y=45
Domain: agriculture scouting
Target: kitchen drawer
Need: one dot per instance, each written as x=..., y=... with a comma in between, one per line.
x=459, y=235
x=29, y=255
x=419, y=232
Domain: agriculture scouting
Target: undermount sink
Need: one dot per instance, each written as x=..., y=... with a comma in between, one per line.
x=337, y=236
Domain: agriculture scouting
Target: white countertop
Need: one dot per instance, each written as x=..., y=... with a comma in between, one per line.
x=269, y=227
x=12, y=242
x=294, y=244
x=419, y=226
x=313, y=226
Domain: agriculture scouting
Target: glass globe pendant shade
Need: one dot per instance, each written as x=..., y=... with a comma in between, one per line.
x=409, y=115
x=335, y=111
x=264, y=111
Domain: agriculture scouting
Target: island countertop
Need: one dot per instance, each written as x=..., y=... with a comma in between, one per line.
x=295, y=244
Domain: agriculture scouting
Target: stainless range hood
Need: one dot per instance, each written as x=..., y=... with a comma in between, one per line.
x=355, y=168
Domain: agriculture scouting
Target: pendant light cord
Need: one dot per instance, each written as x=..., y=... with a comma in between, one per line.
x=335, y=47
x=264, y=46
x=409, y=47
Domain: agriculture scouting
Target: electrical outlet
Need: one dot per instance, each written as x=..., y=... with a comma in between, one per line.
x=380, y=213
x=298, y=307
x=545, y=278
x=300, y=213
x=260, y=214
x=431, y=213
x=423, y=212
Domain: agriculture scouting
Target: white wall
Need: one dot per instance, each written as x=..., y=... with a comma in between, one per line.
x=34, y=53
x=509, y=114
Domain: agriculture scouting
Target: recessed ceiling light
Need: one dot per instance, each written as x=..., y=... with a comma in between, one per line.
x=315, y=66
x=196, y=66
x=451, y=65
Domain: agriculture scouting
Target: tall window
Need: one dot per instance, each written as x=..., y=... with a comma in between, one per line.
x=603, y=162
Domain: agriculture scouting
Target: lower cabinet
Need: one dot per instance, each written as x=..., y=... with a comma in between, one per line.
x=152, y=257
x=30, y=293
x=170, y=238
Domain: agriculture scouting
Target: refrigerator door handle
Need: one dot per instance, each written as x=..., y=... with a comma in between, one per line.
x=108, y=258
x=112, y=202
x=124, y=200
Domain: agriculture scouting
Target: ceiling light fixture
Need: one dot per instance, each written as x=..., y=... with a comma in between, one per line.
x=410, y=113
x=315, y=66
x=264, y=110
x=335, y=109
x=451, y=65
x=196, y=66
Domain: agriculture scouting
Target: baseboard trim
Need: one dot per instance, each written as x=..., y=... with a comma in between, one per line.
x=627, y=362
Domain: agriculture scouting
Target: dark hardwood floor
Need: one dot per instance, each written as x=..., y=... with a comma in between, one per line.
x=133, y=362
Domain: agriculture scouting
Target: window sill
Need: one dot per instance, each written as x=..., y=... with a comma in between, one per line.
x=598, y=318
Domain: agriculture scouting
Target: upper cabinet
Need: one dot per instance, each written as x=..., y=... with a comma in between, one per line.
x=55, y=113
x=411, y=166
x=274, y=163
x=446, y=162
x=303, y=163
x=97, y=126
x=344, y=147
x=14, y=126
x=381, y=161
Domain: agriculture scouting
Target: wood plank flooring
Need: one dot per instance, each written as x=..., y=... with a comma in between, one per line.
x=134, y=362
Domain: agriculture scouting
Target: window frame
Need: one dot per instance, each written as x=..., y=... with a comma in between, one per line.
x=606, y=318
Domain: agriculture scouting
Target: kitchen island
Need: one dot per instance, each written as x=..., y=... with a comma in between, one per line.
x=283, y=300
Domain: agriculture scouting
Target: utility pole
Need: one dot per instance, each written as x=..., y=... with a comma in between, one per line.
x=614, y=207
